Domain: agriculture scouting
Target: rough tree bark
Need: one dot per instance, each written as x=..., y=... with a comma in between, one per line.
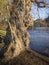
x=18, y=20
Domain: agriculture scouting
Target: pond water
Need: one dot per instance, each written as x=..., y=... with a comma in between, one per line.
x=39, y=40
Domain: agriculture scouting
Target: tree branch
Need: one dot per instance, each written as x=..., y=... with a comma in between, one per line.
x=41, y=4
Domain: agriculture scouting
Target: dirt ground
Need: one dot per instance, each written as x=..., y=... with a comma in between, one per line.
x=25, y=58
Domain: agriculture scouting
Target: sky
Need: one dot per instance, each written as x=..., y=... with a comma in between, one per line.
x=42, y=13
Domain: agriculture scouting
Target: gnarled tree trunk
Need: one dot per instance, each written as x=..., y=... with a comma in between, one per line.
x=18, y=21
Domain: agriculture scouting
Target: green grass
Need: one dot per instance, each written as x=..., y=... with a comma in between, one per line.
x=2, y=33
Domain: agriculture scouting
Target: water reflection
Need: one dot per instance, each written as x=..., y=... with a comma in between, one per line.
x=39, y=38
